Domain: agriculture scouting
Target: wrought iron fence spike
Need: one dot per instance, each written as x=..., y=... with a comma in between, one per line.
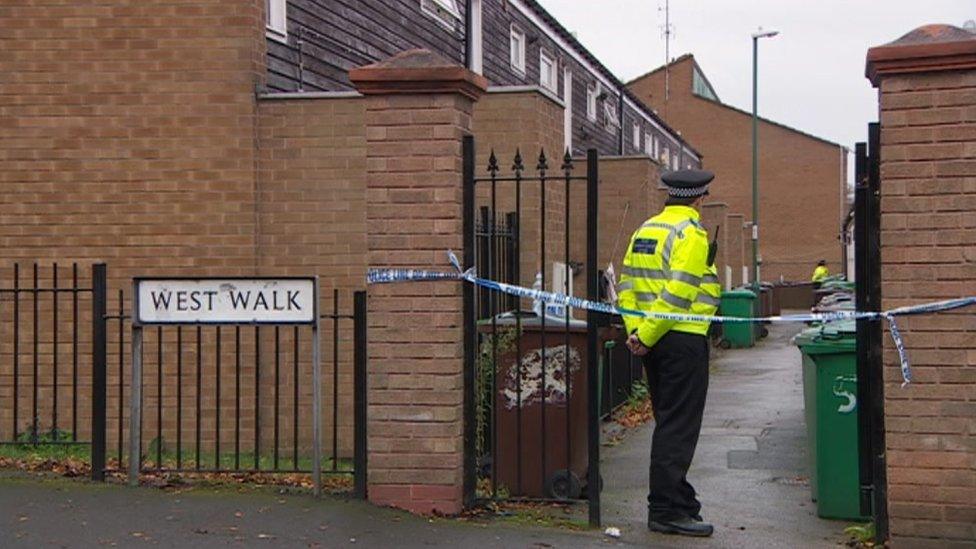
x=518, y=165
x=492, y=163
x=567, y=162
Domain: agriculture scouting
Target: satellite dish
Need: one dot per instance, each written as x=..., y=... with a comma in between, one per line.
x=970, y=26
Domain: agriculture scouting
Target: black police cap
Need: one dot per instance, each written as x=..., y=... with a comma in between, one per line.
x=687, y=183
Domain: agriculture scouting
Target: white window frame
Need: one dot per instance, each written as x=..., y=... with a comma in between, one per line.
x=674, y=162
x=665, y=157
x=592, y=92
x=657, y=148
x=516, y=44
x=445, y=12
x=553, y=75
x=276, y=19
x=649, y=144
x=612, y=122
x=636, y=134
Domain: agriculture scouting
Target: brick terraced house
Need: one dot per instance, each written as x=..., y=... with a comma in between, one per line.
x=802, y=177
x=516, y=44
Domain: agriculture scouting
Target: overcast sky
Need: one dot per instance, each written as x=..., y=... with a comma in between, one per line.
x=811, y=76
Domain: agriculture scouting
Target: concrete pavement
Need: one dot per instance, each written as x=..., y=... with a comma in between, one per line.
x=750, y=466
x=56, y=512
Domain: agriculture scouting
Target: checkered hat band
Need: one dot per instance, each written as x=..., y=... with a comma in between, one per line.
x=688, y=192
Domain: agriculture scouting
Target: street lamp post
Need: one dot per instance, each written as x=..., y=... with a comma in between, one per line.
x=755, y=152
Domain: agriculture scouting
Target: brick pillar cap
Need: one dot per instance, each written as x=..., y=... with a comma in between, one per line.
x=417, y=71
x=930, y=48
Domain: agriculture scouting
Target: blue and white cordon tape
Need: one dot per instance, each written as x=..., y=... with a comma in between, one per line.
x=382, y=276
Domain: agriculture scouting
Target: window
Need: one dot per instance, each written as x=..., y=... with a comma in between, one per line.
x=701, y=87
x=547, y=70
x=665, y=157
x=591, y=93
x=648, y=145
x=444, y=12
x=277, y=13
x=637, y=133
x=610, y=115
x=657, y=148
x=517, y=44
x=674, y=162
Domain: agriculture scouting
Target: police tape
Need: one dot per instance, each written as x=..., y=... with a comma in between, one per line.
x=384, y=276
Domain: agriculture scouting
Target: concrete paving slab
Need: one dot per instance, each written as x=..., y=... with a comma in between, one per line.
x=750, y=466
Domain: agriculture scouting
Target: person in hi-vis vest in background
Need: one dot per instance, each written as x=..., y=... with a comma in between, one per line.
x=821, y=272
x=663, y=271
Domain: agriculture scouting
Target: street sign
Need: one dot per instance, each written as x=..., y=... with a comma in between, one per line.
x=225, y=301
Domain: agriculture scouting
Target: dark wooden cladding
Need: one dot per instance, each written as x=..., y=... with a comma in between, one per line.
x=338, y=35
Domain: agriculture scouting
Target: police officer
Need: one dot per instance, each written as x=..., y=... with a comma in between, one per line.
x=663, y=271
x=821, y=272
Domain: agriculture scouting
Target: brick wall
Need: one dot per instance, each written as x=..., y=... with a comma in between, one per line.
x=928, y=238
x=121, y=143
x=799, y=175
x=713, y=217
x=539, y=128
x=629, y=195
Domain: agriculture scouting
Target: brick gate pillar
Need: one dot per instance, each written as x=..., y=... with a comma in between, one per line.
x=418, y=108
x=927, y=92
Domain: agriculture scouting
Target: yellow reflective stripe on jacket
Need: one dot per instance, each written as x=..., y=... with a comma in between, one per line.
x=710, y=296
x=663, y=271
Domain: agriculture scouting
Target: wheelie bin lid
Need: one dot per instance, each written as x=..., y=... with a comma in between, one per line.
x=740, y=293
x=828, y=338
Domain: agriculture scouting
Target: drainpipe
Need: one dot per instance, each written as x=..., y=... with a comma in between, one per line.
x=620, y=121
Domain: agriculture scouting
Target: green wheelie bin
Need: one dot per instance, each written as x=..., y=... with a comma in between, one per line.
x=830, y=401
x=739, y=303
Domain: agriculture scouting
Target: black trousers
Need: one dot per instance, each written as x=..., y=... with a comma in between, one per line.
x=677, y=376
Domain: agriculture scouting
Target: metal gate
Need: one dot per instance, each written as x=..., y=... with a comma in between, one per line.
x=870, y=374
x=531, y=379
x=217, y=399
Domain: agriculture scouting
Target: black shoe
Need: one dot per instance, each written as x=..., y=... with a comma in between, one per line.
x=687, y=526
x=697, y=518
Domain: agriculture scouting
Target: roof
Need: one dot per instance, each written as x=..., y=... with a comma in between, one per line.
x=622, y=87
x=674, y=61
x=690, y=56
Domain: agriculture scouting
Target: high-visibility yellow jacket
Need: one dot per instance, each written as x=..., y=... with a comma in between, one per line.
x=662, y=271
x=710, y=294
x=820, y=273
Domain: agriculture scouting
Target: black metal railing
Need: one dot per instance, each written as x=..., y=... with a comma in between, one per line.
x=496, y=240
x=532, y=399
x=44, y=354
x=228, y=398
x=237, y=398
